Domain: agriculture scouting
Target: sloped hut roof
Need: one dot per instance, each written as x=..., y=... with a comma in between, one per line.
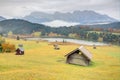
x=83, y=50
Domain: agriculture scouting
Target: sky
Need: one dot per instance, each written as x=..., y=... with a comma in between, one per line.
x=21, y=8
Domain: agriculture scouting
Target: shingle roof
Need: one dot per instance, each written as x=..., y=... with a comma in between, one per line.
x=84, y=51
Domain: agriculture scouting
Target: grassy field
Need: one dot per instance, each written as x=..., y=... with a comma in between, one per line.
x=42, y=62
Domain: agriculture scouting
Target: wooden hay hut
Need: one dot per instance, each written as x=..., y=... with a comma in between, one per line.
x=79, y=56
x=20, y=50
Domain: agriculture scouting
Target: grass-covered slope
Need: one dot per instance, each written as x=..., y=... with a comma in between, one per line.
x=42, y=62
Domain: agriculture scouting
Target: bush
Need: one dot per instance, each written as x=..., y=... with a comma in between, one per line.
x=6, y=47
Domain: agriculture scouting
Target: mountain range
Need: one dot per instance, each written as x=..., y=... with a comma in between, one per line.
x=40, y=21
x=58, y=19
x=81, y=17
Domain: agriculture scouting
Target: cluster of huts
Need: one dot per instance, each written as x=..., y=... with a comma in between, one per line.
x=79, y=56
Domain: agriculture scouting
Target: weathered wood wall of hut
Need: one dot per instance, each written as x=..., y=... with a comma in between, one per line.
x=78, y=59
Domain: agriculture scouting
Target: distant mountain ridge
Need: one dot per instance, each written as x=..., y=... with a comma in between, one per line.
x=82, y=17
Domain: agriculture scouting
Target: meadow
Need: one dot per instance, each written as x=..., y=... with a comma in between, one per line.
x=42, y=62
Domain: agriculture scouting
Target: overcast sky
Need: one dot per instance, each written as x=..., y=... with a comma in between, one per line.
x=20, y=8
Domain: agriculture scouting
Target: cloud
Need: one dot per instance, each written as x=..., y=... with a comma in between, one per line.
x=19, y=8
x=57, y=23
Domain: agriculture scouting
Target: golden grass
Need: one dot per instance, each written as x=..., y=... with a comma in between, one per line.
x=42, y=62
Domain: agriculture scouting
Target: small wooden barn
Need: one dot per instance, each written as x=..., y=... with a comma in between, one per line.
x=79, y=56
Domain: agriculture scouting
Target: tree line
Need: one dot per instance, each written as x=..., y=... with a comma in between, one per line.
x=78, y=32
x=84, y=33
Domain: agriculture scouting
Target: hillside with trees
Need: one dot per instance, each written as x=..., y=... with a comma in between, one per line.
x=109, y=33
x=18, y=26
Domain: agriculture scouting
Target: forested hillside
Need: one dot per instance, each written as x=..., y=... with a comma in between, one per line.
x=102, y=33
